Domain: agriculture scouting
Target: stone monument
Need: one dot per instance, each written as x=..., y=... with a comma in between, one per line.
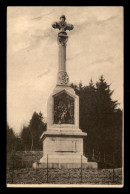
x=63, y=140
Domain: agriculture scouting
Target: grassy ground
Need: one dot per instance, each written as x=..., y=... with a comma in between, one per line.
x=20, y=171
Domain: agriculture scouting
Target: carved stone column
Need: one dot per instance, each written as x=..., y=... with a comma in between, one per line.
x=62, y=76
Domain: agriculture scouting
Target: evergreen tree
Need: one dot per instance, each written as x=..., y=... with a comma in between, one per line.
x=36, y=128
x=105, y=103
x=26, y=138
x=30, y=134
x=11, y=139
x=99, y=118
x=105, y=109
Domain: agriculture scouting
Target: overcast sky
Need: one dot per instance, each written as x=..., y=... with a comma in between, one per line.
x=94, y=48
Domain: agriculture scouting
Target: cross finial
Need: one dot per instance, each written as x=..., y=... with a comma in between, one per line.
x=62, y=25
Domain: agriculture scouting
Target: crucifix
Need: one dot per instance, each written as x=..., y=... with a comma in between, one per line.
x=62, y=78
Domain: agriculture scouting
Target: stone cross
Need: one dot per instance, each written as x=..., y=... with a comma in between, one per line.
x=62, y=25
x=62, y=38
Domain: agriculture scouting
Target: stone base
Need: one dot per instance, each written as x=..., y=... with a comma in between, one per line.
x=88, y=165
x=62, y=149
x=64, y=158
x=65, y=161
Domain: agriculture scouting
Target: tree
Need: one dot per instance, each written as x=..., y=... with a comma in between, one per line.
x=99, y=117
x=30, y=134
x=105, y=103
x=36, y=128
x=26, y=138
x=117, y=136
x=19, y=144
x=11, y=139
x=105, y=111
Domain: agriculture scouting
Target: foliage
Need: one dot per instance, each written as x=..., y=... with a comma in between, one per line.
x=11, y=139
x=100, y=118
x=25, y=138
x=29, y=137
x=30, y=134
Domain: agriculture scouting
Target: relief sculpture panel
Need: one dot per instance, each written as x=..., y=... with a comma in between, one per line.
x=63, y=109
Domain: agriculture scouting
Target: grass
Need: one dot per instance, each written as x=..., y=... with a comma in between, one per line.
x=21, y=172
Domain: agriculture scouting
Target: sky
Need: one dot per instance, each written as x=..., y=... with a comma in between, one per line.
x=94, y=48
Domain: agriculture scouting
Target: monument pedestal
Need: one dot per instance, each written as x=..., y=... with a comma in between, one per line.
x=63, y=149
x=63, y=143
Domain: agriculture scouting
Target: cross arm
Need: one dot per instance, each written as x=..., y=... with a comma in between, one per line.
x=56, y=25
x=63, y=26
x=69, y=27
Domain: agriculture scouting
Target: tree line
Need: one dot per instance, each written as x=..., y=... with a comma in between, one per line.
x=99, y=117
x=29, y=138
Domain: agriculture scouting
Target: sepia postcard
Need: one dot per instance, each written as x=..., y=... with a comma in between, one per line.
x=65, y=96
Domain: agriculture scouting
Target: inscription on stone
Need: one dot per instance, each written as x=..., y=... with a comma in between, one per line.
x=65, y=146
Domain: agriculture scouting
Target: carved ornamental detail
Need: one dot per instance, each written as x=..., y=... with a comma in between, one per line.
x=62, y=38
x=63, y=78
x=63, y=109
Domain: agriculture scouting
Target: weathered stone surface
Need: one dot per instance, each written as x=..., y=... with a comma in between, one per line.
x=63, y=144
x=63, y=151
